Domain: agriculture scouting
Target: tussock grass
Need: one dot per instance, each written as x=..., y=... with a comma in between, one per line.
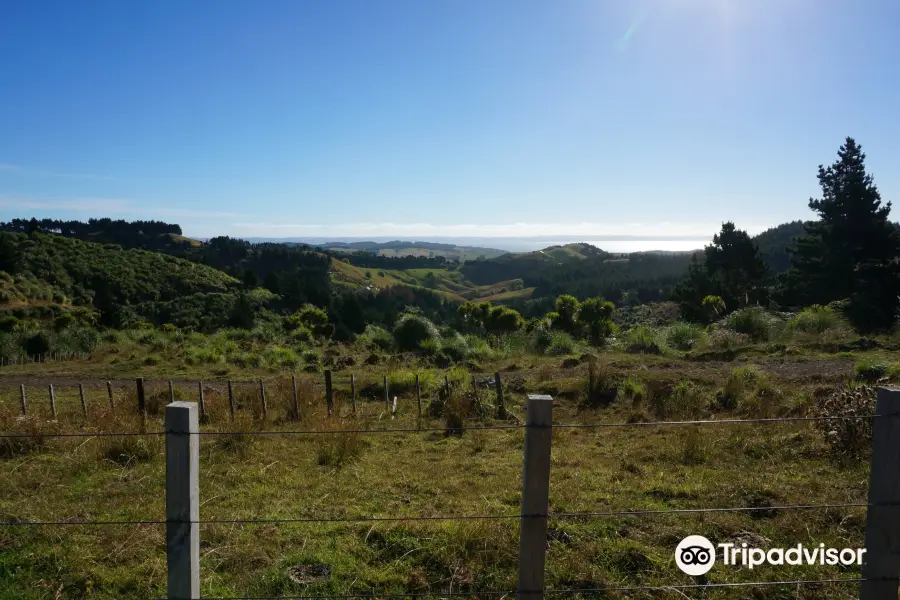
x=429, y=474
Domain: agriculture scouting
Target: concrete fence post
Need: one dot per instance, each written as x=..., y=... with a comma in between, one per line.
x=183, y=500
x=535, y=497
x=881, y=562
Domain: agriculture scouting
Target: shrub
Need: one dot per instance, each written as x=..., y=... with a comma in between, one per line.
x=752, y=322
x=455, y=349
x=376, y=337
x=411, y=330
x=301, y=334
x=601, y=389
x=514, y=344
x=9, y=324
x=725, y=339
x=764, y=399
x=736, y=385
x=642, y=340
x=816, y=319
x=633, y=390
x=684, y=336
x=246, y=359
x=561, y=343
x=63, y=321
x=684, y=402
x=712, y=307
x=693, y=449
x=541, y=339
x=847, y=438
x=201, y=356
x=870, y=370
x=283, y=357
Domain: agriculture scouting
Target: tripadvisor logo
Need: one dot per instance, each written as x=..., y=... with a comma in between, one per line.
x=696, y=555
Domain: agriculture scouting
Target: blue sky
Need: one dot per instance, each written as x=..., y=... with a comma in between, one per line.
x=421, y=119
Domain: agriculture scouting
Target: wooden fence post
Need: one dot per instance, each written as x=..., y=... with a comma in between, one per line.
x=447, y=383
x=24, y=400
x=231, y=399
x=83, y=400
x=535, y=497
x=182, y=500
x=881, y=562
x=171, y=391
x=295, y=398
x=419, y=397
x=501, y=407
x=353, y=392
x=329, y=392
x=262, y=395
x=52, y=402
x=202, y=401
x=109, y=392
x=387, y=400
x=141, y=407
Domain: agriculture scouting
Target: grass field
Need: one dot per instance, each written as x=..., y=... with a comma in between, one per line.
x=451, y=284
x=390, y=475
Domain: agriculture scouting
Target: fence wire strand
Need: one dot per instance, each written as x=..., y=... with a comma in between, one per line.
x=413, y=430
x=564, y=515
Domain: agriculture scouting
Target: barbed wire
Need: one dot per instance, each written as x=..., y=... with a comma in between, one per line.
x=550, y=515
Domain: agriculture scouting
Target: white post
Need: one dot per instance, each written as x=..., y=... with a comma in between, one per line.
x=535, y=497
x=182, y=500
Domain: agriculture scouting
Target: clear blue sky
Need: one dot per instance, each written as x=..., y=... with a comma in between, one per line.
x=427, y=118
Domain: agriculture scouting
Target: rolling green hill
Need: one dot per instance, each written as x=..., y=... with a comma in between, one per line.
x=43, y=268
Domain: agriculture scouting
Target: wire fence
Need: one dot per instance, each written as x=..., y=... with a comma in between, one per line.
x=884, y=495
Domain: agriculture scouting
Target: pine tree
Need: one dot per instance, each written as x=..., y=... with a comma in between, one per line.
x=850, y=252
x=732, y=269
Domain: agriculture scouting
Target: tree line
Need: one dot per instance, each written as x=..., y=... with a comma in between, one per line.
x=849, y=257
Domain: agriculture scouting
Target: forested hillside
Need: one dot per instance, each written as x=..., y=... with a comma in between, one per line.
x=584, y=271
x=44, y=269
x=146, y=235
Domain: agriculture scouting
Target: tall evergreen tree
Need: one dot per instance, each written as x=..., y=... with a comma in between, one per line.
x=732, y=268
x=850, y=252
